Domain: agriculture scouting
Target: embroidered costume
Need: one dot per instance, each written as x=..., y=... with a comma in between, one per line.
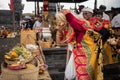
x=87, y=45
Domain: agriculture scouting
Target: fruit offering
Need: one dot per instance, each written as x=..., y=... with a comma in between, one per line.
x=18, y=54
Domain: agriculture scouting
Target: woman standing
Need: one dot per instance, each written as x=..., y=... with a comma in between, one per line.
x=86, y=47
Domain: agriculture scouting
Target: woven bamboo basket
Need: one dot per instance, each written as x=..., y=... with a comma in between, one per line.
x=28, y=37
x=23, y=74
x=45, y=44
x=16, y=61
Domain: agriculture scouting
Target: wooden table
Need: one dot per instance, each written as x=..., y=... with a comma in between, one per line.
x=41, y=58
x=44, y=76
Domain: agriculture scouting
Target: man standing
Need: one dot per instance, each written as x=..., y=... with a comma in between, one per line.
x=38, y=23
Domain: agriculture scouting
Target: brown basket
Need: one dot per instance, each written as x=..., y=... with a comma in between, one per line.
x=28, y=37
x=45, y=44
x=16, y=61
x=23, y=74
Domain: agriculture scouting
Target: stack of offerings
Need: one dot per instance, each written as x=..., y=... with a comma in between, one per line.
x=45, y=40
x=20, y=64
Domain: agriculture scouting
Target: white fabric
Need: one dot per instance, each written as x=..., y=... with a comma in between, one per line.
x=81, y=15
x=105, y=16
x=70, y=47
x=87, y=9
x=27, y=17
x=70, y=72
x=70, y=69
x=116, y=21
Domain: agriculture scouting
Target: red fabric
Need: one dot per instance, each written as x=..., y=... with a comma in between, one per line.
x=45, y=5
x=40, y=30
x=71, y=37
x=62, y=36
x=80, y=63
x=80, y=57
x=11, y=5
x=66, y=32
x=77, y=25
x=94, y=21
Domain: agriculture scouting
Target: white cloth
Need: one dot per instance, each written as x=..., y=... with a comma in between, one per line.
x=81, y=15
x=70, y=72
x=27, y=17
x=105, y=16
x=87, y=9
x=116, y=21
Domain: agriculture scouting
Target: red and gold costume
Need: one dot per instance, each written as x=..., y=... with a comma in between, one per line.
x=105, y=29
x=87, y=48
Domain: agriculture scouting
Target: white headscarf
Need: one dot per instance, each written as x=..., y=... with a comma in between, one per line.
x=87, y=9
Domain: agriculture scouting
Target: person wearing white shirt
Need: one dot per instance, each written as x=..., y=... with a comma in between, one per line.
x=38, y=27
x=105, y=16
x=116, y=21
x=38, y=23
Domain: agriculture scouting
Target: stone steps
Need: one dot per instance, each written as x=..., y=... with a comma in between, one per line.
x=56, y=61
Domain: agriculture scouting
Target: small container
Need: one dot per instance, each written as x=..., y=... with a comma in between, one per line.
x=43, y=66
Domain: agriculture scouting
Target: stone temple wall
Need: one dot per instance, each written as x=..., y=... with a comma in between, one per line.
x=56, y=61
x=5, y=17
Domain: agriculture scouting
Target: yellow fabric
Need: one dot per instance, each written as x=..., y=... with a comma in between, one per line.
x=108, y=52
x=90, y=49
x=92, y=59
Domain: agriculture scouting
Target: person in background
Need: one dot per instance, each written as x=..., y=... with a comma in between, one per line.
x=22, y=24
x=116, y=20
x=87, y=13
x=116, y=27
x=4, y=32
x=53, y=30
x=104, y=27
x=33, y=19
x=114, y=12
x=101, y=23
x=38, y=23
x=102, y=8
x=28, y=24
